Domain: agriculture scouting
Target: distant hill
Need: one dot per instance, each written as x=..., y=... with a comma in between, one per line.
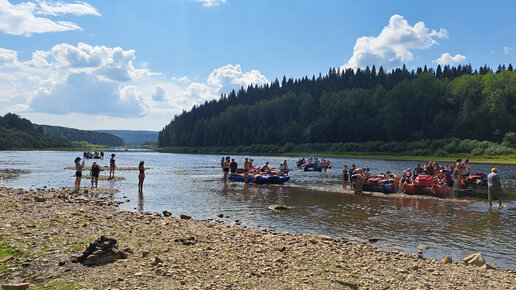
x=91, y=137
x=134, y=138
x=20, y=133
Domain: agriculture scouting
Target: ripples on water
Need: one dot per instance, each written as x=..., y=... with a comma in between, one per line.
x=182, y=183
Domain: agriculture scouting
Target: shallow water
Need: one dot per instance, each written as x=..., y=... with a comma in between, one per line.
x=184, y=183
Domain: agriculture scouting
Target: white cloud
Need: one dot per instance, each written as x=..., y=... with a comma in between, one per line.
x=61, y=8
x=231, y=77
x=446, y=58
x=67, y=80
x=21, y=19
x=7, y=57
x=393, y=46
x=507, y=49
x=210, y=3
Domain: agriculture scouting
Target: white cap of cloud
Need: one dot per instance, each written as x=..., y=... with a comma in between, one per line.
x=446, y=58
x=231, y=77
x=210, y=3
x=8, y=57
x=507, y=49
x=21, y=19
x=392, y=47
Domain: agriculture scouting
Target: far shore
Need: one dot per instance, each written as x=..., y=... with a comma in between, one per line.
x=43, y=230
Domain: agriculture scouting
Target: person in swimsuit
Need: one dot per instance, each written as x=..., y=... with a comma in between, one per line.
x=225, y=168
x=233, y=166
x=247, y=167
x=94, y=172
x=112, y=166
x=141, y=176
x=345, y=176
x=78, y=174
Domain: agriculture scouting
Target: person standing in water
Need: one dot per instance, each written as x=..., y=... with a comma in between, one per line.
x=94, y=172
x=247, y=167
x=112, y=166
x=78, y=174
x=494, y=187
x=345, y=176
x=141, y=176
x=225, y=168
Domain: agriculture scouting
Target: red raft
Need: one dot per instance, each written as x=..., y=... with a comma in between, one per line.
x=421, y=186
x=441, y=191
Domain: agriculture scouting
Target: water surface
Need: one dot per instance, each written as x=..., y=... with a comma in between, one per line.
x=184, y=183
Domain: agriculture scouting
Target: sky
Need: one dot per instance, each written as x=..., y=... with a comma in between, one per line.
x=133, y=65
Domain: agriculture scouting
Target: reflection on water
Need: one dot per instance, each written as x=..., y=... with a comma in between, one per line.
x=192, y=184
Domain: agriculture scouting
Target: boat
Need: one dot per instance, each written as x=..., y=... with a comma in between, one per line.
x=388, y=188
x=423, y=180
x=373, y=184
x=260, y=178
x=272, y=170
x=422, y=185
x=439, y=190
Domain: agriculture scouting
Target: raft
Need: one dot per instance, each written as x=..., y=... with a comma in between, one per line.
x=441, y=191
x=260, y=178
x=311, y=167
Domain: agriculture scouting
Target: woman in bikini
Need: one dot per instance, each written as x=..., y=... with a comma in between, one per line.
x=141, y=177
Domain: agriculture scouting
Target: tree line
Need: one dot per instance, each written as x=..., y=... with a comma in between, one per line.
x=91, y=137
x=17, y=133
x=356, y=106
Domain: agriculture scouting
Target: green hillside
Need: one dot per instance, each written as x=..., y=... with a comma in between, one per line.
x=134, y=137
x=91, y=137
x=20, y=133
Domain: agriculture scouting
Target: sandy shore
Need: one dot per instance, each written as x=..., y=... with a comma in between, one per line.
x=44, y=229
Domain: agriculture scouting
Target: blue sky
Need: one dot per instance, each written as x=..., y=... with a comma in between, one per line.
x=128, y=64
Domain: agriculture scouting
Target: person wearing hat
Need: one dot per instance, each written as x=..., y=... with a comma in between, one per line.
x=78, y=174
x=94, y=172
x=494, y=187
x=112, y=166
x=141, y=176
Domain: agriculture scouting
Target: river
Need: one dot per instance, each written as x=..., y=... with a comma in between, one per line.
x=186, y=183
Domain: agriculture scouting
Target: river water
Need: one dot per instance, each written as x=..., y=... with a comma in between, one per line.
x=185, y=183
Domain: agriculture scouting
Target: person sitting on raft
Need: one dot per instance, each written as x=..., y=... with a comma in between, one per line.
x=395, y=180
x=406, y=177
x=265, y=168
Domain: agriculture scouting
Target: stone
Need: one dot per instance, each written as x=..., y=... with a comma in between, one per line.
x=145, y=254
x=40, y=199
x=373, y=240
x=447, y=260
x=167, y=213
x=423, y=247
x=475, y=259
x=17, y=286
x=488, y=266
x=99, y=252
x=185, y=216
x=220, y=215
x=5, y=259
x=157, y=261
x=187, y=242
x=278, y=207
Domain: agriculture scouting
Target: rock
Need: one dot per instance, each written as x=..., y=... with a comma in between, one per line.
x=423, y=247
x=278, y=207
x=17, y=286
x=447, y=260
x=128, y=250
x=220, y=215
x=475, y=259
x=488, y=266
x=373, y=240
x=156, y=261
x=187, y=242
x=40, y=199
x=99, y=252
x=185, y=216
x=167, y=213
x=145, y=254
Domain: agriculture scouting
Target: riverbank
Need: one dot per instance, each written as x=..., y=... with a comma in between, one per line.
x=495, y=159
x=44, y=229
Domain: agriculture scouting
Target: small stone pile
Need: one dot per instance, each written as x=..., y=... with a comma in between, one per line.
x=101, y=251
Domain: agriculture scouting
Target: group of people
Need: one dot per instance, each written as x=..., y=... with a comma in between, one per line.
x=95, y=172
x=324, y=163
x=450, y=175
x=230, y=166
x=90, y=155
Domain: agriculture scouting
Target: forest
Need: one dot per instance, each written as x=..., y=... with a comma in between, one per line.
x=366, y=106
x=91, y=137
x=18, y=133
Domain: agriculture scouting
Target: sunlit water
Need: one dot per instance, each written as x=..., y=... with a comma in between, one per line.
x=183, y=183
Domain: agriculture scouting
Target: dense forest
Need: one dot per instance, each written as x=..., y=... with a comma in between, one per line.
x=359, y=106
x=91, y=137
x=16, y=133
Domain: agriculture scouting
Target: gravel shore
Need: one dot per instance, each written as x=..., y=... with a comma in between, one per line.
x=43, y=230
